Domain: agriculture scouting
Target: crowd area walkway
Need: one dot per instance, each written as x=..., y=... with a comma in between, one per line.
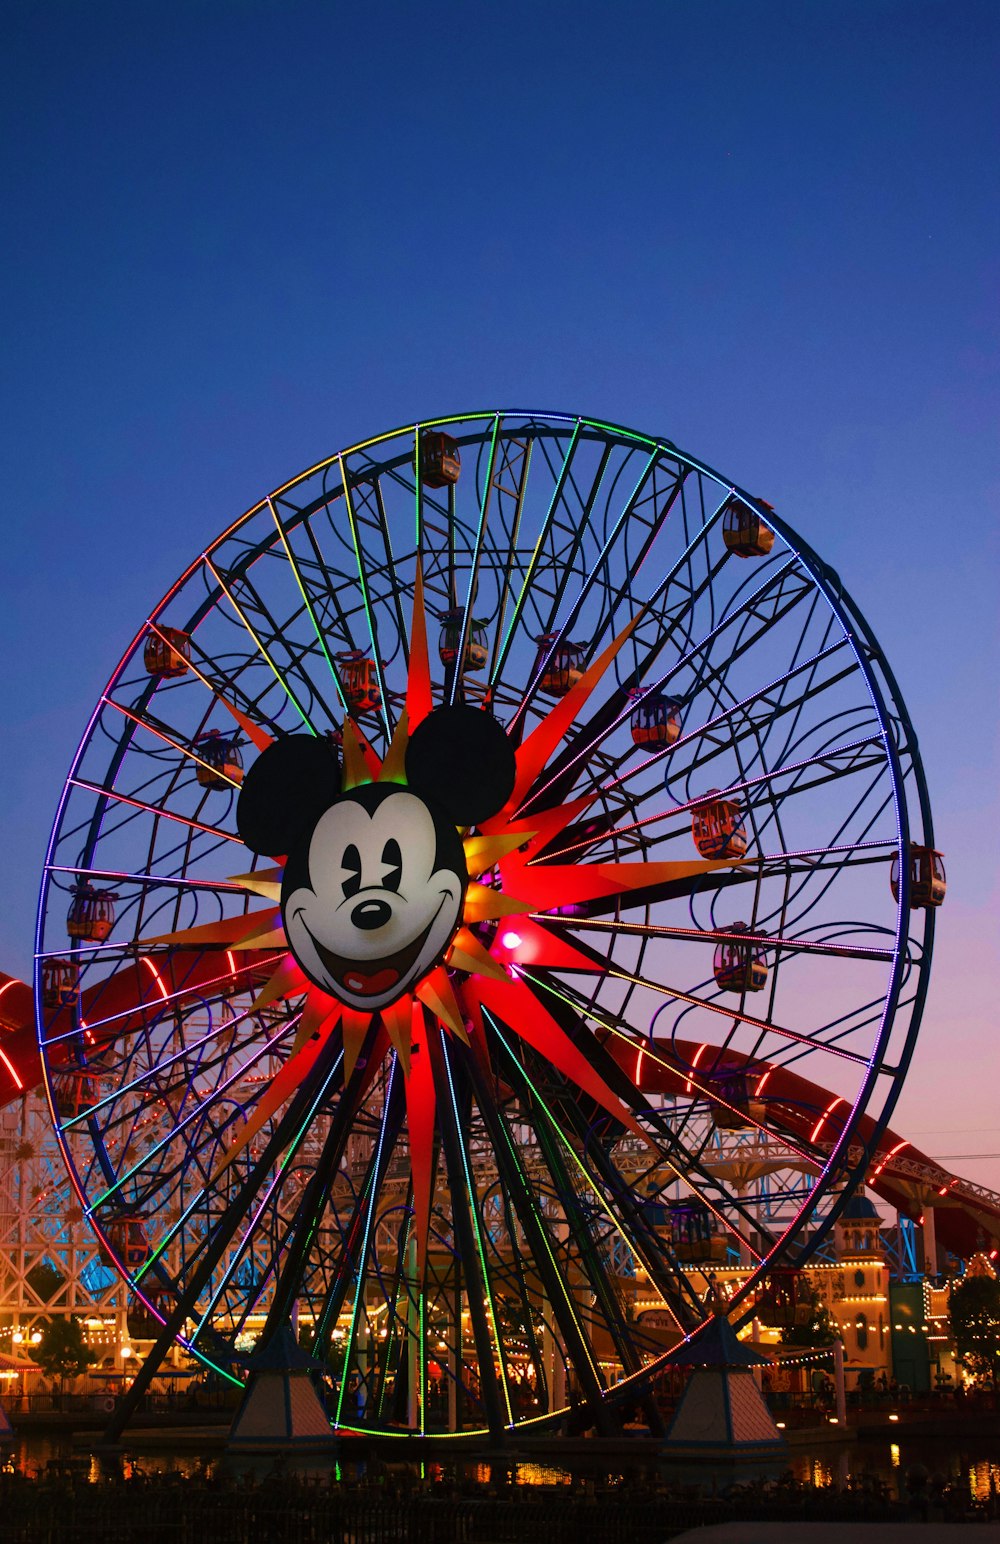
x=65, y=1502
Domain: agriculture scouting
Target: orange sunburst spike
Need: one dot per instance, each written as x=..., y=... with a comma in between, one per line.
x=482, y=852
x=543, y=739
x=356, y=769
x=393, y=768
x=355, y=1028
x=537, y=946
x=467, y=953
x=398, y=1019
x=263, y=882
x=287, y=981
x=317, y=1010
x=537, y=831
x=517, y=1005
x=419, y=700
x=547, y=885
x=484, y=904
x=284, y=1083
x=253, y=731
x=435, y=991
x=421, y=1107
x=233, y=932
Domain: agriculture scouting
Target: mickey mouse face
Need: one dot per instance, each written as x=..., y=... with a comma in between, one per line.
x=375, y=878
x=380, y=898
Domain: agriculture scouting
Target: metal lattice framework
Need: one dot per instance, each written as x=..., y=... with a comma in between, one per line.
x=571, y=564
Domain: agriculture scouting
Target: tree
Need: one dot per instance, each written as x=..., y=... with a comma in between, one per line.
x=975, y=1324
x=820, y=1329
x=61, y=1353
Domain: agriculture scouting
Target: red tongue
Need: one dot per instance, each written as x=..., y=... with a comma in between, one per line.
x=369, y=986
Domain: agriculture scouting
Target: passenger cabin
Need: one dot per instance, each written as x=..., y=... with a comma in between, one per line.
x=60, y=984
x=440, y=459
x=220, y=764
x=694, y=1235
x=735, y=1109
x=75, y=1090
x=450, y=642
x=717, y=827
x=167, y=652
x=928, y=882
x=744, y=531
x=359, y=681
x=561, y=664
x=142, y=1321
x=656, y=718
x=128, y=1239
x=91, y=915
x=739, y=967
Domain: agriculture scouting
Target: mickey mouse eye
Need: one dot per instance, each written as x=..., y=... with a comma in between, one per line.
x=352, y=863
x=393, y=860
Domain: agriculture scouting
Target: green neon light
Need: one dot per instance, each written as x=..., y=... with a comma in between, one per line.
x=625, y=434
x=480, y=1249
x=366, y=598
x=246, y=623
x=309, y=605
x=369, y=1228
x=422, y=1353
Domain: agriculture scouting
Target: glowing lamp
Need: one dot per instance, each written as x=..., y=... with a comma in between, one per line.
x=510, y=939
x=894, y=1417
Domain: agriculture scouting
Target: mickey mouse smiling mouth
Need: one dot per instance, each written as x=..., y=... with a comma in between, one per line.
x=377, y=976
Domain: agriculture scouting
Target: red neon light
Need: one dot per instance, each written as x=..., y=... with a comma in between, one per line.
x=10, y=1068
x=823, y=1118
x=156, y=977
x=888, y=1155
x=8, y=984
x=697, y=1058
x=763, y=1080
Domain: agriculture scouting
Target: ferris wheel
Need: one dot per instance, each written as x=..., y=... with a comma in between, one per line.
x=470, y=869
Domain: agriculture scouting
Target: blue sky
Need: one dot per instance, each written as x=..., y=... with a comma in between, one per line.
x=242, y=235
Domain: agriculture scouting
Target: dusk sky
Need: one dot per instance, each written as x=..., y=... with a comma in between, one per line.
x=242, y=234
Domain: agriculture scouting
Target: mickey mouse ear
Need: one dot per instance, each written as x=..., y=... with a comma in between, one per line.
x=285, y=792
x=461, y=759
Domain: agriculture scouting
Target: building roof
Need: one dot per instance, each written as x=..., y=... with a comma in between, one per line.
x=715, y=1344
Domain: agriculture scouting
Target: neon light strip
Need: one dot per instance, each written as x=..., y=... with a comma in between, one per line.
x=185, y=750
x=309, y=605
x=145, y=960
x=201, y=990
x=526, y=582
x=8, y=984
x=151, y=809
x=366, y=598
x=175, y=1130
x=372, y=1200
x=814, y=1134
x=10, y=1068
x=148, y=879
x=260, y=647
x=286, y=1160
x=476, y=552
x=725, y=793
x=734, y=1013
x=694, y=1066
x=480, y=1249
x=590, y=1186
x=770, y=940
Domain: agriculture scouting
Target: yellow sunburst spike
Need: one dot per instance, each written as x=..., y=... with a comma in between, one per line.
x=436, y=994
x=393, y=767
x=355, y=769
x=467, y=953
x=288, y=980
x=482, y=904
x=314, y=1015
x=265, y=882
x=233, y=932
x=482, y=852
x=398, y=1021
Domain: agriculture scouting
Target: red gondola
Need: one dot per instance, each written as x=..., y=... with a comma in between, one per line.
x=167, y=652
x=738, y=1112
x=220, y=763
x=440, y=459
x=75, y=1091
x=128, y=1239
x=739, y=967
x=60, y=984
x=359, y=680
x=717, y=827
x=91, y=915
x=475, y=650
x=928, y=881
x=656, y=718
x=561, y=668
x=784, y=1299
x=693, y=1233
x=744, y=531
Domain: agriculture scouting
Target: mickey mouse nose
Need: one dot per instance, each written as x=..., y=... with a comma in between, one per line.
x=371, y=914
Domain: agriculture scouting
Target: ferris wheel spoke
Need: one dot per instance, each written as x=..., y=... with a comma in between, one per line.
x=278, y=674
x=713, y=936
x=154, y=809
